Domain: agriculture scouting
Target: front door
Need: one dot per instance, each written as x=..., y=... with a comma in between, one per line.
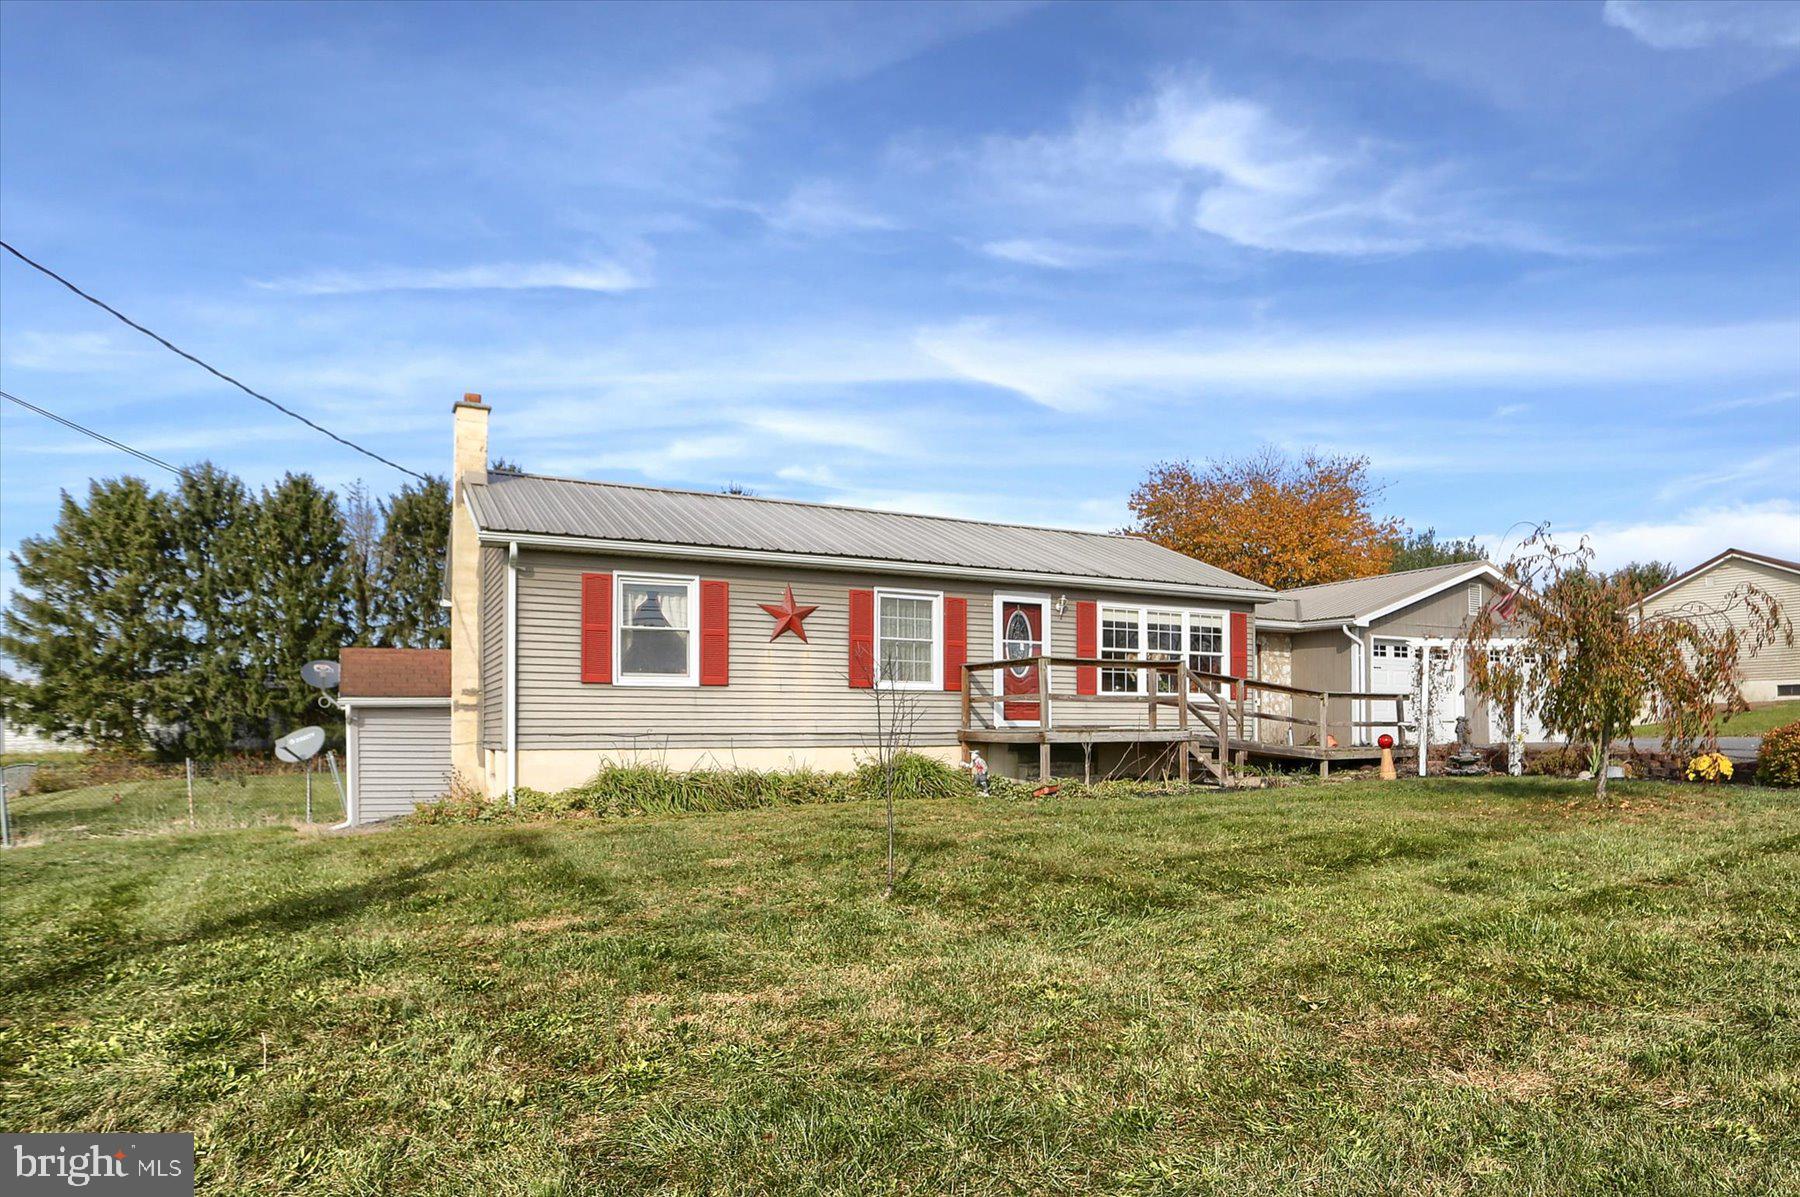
x=1021, y=637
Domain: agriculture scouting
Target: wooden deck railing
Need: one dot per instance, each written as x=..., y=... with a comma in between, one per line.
x=1217, y=702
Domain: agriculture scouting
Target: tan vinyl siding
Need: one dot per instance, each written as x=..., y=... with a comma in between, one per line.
x=493, y=648
x=402, y=758
x=1442, y=616
x=1770, y=665
x=782, y=693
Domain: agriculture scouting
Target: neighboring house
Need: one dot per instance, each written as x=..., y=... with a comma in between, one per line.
x=1370, y=634
x=15, y=740
x=1773, y=671
x=397, y=729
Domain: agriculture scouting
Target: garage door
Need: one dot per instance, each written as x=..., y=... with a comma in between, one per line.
x=402, y=759
x=1394, y=666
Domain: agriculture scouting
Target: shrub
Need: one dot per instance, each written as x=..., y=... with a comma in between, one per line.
x=915, y=776
x=1556, y=762
x=1778, y=760
x=620, y=791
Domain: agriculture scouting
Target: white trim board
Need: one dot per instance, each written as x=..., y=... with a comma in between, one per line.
x=348, y=703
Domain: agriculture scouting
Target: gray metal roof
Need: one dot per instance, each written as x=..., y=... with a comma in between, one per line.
x=1352, y=600
x=528, y=504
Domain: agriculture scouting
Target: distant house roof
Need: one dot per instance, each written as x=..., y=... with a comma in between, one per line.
x=1361, y=599
x=623, y=517
x=394, y=673
x=1721, y=559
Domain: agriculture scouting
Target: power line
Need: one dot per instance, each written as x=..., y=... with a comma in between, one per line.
x=176, y=349
x=99, y=436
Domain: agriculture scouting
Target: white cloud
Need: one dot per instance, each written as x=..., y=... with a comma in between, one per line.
x=1068, y=372
x=1186, y=157
x=1052, y=255
x=843, y=432
x=823, y=209
x=77, y=352
x=1771, y=527
x=1691, y=24
x=590, y=276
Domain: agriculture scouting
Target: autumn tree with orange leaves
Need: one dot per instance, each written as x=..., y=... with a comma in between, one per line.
x=1280, y=521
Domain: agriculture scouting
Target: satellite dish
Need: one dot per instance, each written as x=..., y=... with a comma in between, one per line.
x=323, y=674
x=300, y=745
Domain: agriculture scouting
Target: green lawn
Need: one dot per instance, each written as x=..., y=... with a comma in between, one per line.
x=1491, y=987
x=139, y=807
x=1753, y=722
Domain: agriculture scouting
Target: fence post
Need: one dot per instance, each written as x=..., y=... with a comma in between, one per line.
x=189, y=762
x=5, y=813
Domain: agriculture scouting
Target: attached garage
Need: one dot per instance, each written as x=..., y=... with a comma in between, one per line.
x=397, y=711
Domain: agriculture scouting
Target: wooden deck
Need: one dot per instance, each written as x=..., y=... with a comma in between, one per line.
x=1204, y=717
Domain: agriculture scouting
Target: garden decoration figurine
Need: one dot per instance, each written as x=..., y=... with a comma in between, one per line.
x=1465, y=761
x=978, y=770
x=1386, y=744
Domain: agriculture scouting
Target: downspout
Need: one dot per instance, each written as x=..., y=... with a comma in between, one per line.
x=512, y=673
x=350, y=755
x=1356, y=684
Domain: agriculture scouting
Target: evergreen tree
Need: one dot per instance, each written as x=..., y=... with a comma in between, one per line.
x=1419, y=550
x=95, y=624
x=414, y=543
x=214, y=534
x=299, y=613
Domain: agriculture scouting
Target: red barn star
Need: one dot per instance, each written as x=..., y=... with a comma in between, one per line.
x=787, y=616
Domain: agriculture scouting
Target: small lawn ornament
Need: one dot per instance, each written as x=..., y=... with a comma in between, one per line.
x=1388, y=772
x=978, y=770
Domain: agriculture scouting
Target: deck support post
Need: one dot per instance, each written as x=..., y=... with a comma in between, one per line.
x=1324, y=732
x=1181, y=720
x=1043, y=758
x=967, y=678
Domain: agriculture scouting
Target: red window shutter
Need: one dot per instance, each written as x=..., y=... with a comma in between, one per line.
x=956, y=641
x=715, y=633
x=1240, y=646
x=1087, y=644
x=862, y=638
x=596, y=627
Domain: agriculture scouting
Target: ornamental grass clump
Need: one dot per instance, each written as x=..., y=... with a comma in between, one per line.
x=1778, y=760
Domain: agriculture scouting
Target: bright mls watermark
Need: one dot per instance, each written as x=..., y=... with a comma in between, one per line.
x=138, y=1165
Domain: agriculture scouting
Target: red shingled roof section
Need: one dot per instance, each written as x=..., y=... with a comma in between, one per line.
x=394, y=673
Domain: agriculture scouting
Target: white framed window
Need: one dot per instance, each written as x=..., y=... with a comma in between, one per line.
x=1475, y=598
x=1121, y=636
x=1206, y=641
x=1163, y=638
x=908, y=645
x=656, y=636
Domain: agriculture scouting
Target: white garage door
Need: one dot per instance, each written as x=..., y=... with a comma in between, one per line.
x=402, y=759
x=1394, y=669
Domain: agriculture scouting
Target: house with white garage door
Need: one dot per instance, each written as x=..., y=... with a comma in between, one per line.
x=1377, y=635
x=396, y=705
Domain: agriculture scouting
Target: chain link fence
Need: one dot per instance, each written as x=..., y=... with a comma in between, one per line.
x=93, y=798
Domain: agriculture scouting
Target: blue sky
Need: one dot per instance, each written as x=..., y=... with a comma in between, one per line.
x=1537, y=262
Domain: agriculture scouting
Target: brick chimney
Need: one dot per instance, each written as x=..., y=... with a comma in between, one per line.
x=469, y=466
